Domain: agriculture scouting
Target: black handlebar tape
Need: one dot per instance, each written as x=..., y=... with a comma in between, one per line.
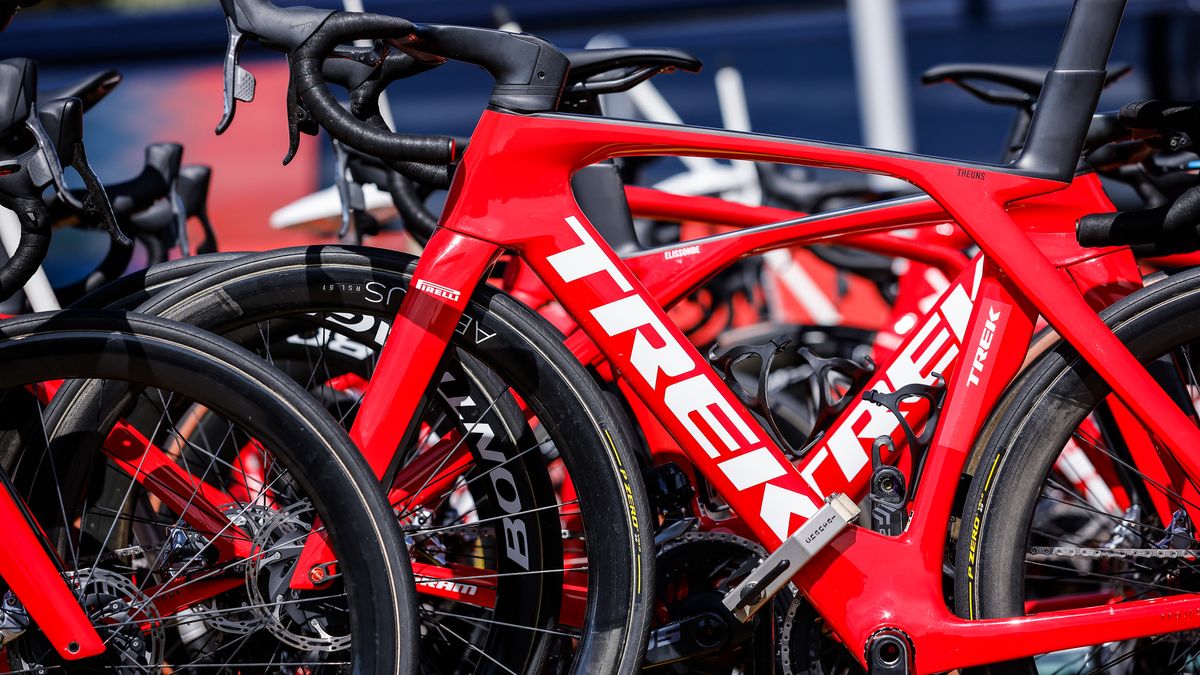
x=306, y=64
x=433, y=175
x=352, y=74
x=1171, y=228
x=420, y=222
x=18, y=91
x=31, y=250
x=1159, y=115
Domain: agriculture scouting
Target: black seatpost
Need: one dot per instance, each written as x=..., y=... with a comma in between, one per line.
x=1072, y=89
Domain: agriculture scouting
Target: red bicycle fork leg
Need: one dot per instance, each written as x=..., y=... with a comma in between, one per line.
x=196, y=501
x=38, y=583
x=450, y=268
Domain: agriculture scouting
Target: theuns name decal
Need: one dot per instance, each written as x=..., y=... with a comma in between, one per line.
x=440, y=291
x=973, y=174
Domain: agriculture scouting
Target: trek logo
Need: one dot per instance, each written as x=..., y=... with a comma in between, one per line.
x=973, y=174
x=681, y=252
x=440, y=291
x=985, y=343
x=841, y=459
x=688, y=388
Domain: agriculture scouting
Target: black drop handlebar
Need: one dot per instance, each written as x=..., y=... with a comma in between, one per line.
x=529, y=72
x=308, y=79
x=1162, y=230
x=23, y=175
x=40, y=142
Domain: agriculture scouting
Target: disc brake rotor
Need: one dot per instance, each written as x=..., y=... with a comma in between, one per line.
x=293, y=617
x=125, y=618
x=695, y=570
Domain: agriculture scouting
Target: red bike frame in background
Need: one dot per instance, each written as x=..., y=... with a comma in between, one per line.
x=32, y=570
x=518, y=170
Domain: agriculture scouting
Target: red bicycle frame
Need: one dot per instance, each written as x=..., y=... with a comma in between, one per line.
x=518, y=170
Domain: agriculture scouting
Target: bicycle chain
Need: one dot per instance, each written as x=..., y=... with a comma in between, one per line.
x=1082, y=552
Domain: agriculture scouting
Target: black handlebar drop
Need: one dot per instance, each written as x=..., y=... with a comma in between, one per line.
x=529, y=72
x=31, y=249
x=308, y=78
x=25, y=174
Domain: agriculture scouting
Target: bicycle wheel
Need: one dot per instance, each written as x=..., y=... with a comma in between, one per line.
x=1037, y=534
x=537, y=451
x=177, y=484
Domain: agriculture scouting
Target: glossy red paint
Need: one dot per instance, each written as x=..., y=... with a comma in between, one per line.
x=196, y=501
x=429, y=313
x=183, y=592
x=431, y=474
x=36, y=579
x=512, y=191
x=248, y=482
x=927, y=245
x=466, y=585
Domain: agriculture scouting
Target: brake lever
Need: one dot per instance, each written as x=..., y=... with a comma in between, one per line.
x=47, y=160
x=180, y=216
x=98, y=202
x=238, y=82
x=65, y=118
x=298, y=121
x=349, y=190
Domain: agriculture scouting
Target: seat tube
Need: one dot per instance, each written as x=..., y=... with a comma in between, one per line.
x=450, y=268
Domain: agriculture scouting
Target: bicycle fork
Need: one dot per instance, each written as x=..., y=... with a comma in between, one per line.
x=39, y=584
x=428, y=316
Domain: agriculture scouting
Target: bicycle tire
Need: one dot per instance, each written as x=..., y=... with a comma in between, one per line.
x=139, y=352
x=1037, y=417
x=526, y=353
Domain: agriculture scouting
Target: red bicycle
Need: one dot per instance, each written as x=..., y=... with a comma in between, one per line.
x=133, y=540
x=517, y=170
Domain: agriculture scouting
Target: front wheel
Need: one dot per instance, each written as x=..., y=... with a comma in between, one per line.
x=520, y=499
x=1061, y=513
x=176, y=478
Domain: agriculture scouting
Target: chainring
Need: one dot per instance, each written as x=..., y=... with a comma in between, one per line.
x=695, y=570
